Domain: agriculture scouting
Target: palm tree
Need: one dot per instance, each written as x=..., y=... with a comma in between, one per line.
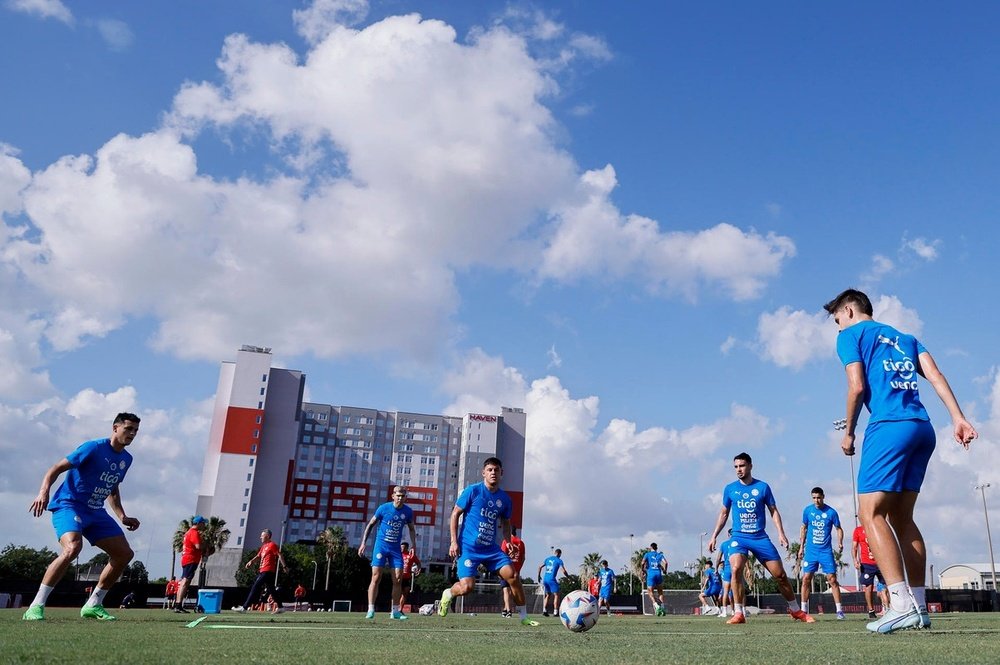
x=793, y=556
x=589, y=567
x=332, y=540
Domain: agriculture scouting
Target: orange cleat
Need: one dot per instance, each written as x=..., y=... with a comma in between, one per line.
x=802, y=616
x=737, y=618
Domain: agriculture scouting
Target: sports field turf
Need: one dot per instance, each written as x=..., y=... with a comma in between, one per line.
x=158, y=636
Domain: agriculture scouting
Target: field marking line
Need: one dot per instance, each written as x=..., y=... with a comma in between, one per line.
x=196, y=622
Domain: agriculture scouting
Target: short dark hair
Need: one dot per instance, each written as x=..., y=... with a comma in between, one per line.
x=604, y=562
x=745, y=457
x=558, y=552
x=652, y=545
x=125, y=415
x=492, y=460
x=267, y=531
x=858, y=298
x=818, y=490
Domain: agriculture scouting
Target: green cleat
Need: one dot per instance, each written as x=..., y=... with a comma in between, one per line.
x=399, y=616
x=96, y=612
x=370, y=615
x=528, y=622
x=445, y=603
x=34, y=613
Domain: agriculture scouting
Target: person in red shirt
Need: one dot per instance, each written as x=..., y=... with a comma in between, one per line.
x=865, y=562
x=300, y=597
x=190, y=558
x=411, y=568
x=170, y=593
x=270, y=558
x=594, y=586
x=516, y=551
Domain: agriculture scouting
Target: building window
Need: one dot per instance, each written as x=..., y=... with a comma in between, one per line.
x=259, y=420
x=246, y=492
x=244, y=508
x=249, y=476
x=251, y=461
x=253, y=448
x=261, y=391
x=263, y=379
x=243, y=521
x=260, y=405
x=239, y=540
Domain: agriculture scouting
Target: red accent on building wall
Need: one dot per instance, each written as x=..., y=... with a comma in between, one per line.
x=305, y=498
x=289, y=477
x=423, y=501
x=517, y=510
x=238, y=435
x=348, y=502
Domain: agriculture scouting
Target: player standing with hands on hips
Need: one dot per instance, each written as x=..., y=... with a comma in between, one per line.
x=96, y=469
x=882, y=366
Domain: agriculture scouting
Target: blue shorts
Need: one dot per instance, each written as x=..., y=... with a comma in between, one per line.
x=550, y=586
x=869, y=574
x=895, y=455
x=387, y=555
x=95, y=525
x=812, y=562
x=654, y=578
x=469, y=562
x=713, y=590
x=761, y=546
x=606, y=593
x=188, y=571
x=726, y=573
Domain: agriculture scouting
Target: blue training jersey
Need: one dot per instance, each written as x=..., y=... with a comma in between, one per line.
x=552, y=565
x=726, y=549
x=748, y=504
x=819, y=528
x=890, y=360
x=97, y=470
x=653, y=559
x=482, y=509
x=607, y=577
x=392, y=521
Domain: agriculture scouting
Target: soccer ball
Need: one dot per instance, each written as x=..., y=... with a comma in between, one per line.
x=578, y=611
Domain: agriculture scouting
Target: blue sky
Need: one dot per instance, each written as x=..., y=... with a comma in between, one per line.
x=624, y=219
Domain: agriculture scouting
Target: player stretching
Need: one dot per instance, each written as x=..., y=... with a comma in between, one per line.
x=485, y=506
x=550, y=581
x=750, y=497
x=388, y=551
x=607, y=578
x=882, y=365
x=654, y=563
x=96, y=469
x=817, y=550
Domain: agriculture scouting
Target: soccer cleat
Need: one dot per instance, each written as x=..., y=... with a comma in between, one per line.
x=925, y=618
x=545, y=613
x=802, y=616
x=34, y=613
x=239, y=608
x=96, y=612
x=180, y=610
x=892, y=621
x=445, y=603
x=528, y=622
x=872, y=615
x=370, y=615
x=398, y=616
x=840, y=616
x=737, y=618
x=506, y=614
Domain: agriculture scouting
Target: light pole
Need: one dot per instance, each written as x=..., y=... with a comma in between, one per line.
x=839, y=425
x=701, y=544
x=989, y=538
x=315, y=570
x=631, y=573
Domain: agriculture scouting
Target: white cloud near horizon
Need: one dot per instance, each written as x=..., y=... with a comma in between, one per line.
x=42, y=9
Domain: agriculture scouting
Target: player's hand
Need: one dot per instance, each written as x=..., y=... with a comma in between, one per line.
x=965, y=433
x=130, y=523
x=783, y=541
x=38, y=506
x=847, y=444
x=361, y=551
x=453, y=550
x=711, y=545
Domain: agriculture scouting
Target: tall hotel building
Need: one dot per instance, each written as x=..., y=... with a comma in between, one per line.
x=274, y=461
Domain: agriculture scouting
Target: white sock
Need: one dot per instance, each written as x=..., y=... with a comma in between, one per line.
x=42, y=596
x=793, y=605
x=919, y=596
x=899, y=597
x=522, y=611
x=805, y=606
x=840, y=607
x=371, y=608
x=96, y=598
x=739, y=609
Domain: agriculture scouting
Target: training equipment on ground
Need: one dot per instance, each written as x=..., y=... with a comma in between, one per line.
x=578, y=611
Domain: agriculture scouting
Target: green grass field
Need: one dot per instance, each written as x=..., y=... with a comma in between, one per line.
x=158, y=636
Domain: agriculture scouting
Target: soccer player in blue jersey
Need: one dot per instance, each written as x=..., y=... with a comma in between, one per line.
x=883, y=365
x=607, y=578
x=95, y=470
x=819, y=521
x=725, y=575
x=485, y=507
x=655, y=565
x=550, y=581
x=388, y=550
x=749, y=500
x=711, y=587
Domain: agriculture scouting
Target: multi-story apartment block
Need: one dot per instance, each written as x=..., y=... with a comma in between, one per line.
x=274, y=461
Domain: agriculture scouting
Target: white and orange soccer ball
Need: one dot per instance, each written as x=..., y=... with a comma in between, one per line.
x=578, y=611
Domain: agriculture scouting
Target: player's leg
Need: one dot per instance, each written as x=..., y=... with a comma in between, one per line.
x=513, y=579
x=874, y=508
x=70, y=542
x=397, y=593
x=737, y=563
x=807, y=580
x=831, y=579
x=373, y=589
x=119, y=555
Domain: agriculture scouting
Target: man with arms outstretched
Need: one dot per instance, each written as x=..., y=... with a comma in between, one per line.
x=748, y=499
x=96, y=469
x=882, y=366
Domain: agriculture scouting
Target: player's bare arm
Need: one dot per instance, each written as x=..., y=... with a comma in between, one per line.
x=115, y=499
x=364, y=537
x=776, y=517
x=719, y=524
x=964, y=432
x=855, y=399
x=41, y=502
x=802, y=542
x=453, y=550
